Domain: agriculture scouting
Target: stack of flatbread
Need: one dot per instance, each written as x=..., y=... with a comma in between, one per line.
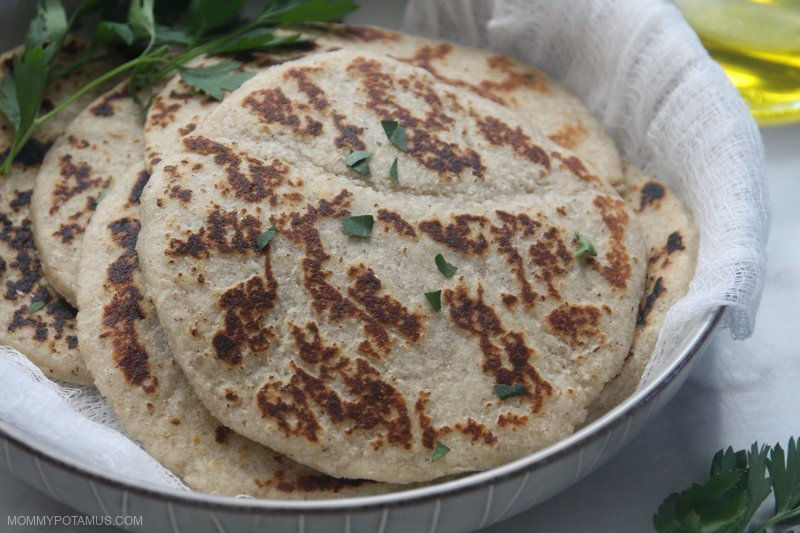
x=381, y=261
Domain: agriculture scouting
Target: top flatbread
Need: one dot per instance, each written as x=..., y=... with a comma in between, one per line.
x=125, y=349
x=673, y=243
x=46, y=336
x=333, y=354
x=102, y=142
x=538, y=101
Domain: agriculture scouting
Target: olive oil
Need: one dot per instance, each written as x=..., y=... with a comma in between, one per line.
x=757, y=43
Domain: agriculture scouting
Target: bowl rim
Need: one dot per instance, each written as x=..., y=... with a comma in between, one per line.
x=623, y=413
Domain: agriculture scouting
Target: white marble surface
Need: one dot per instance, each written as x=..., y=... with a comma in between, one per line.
x=739, y=392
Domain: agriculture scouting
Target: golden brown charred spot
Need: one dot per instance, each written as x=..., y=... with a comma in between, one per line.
x=509, y=299
x=576, y=167
x=651, y=192
x=397, y=222
x=430, y=434
x=288, y=405
x=363, y=33
x=456, y=235
x=313, y=92
x=225, y=232
x=650, y=300
x=312, y=351
x=574, y=322
x=307, y=484
x=104, y=107
x=21, y=199
x=187, y=129
x=349, y=135
x=77, y=143
x=475, y=317
x=502, y=235
x=499, y=133
x=175, y=421
x=552, y=259
x=512, y=420
x=32, y=153
x=138, y=187
x=447, y=159
x=383, y=309
x=674, y=242
x=562, y=210
x=231, y=395
x=161, y=114
x=273, y=107
x=182, y=95
x=68, y=232
x=221, y=434
x=180, y=193
x=618, y=270
x=25, y=262
x=245, y=307
x=477, y=432
x=569, y=136
x=261, y=180
x=75, y=179
x=124, y=310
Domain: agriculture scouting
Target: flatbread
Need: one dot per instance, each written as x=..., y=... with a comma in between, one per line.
x=126, y=352
x=537, y=100
x=102, y=142
x=327, y=342
x=46, y=336
x=673, y=242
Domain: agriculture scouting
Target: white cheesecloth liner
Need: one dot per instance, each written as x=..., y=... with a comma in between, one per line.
x=670, y=109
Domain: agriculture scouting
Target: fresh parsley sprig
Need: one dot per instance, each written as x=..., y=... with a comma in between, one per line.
x=157, y=40
x=736, y=488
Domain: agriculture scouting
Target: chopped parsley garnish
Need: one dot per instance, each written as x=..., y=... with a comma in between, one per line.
x=395, y=133
x=435, y=299
x=215, y=79
x=393, y=172
x=358, y=160
x=358, y=226
x=585, y=248
x=509, y=391
x=439, y=451
x=35, y=306
x=444, y=267
x=264, y=239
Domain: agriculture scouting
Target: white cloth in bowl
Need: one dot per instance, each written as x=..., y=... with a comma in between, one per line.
x=670, y=109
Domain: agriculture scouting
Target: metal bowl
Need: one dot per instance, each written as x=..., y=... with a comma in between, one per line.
x=464, y=504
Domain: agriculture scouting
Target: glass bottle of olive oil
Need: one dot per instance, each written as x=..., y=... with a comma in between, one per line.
x=757, y=42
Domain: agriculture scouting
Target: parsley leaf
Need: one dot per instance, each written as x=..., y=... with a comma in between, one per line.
x=358, y=226
x=264, y=239
x=141, y=19
x=509, y=391
x=215, y=79
x=257, y=39
x=315, y=11
x=108, y=32
x=30, y=76
x=205, y=16
x=358, y=161
x=395, y=133
x=47, y=29
x=36, y=306
x=439, y=451
x=585, y=248
x=444, y=267
x=8, y=100
x=393, y=172
x=435, y=299
x=737, y=486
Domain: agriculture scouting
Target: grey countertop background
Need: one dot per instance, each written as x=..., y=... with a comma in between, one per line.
x=740, y=391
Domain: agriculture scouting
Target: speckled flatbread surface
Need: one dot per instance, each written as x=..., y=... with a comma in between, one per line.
x=322, y=345
x=132, y=365
x=672, y=242
x=101, y=142
x=537, y=100
x=34, y=319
